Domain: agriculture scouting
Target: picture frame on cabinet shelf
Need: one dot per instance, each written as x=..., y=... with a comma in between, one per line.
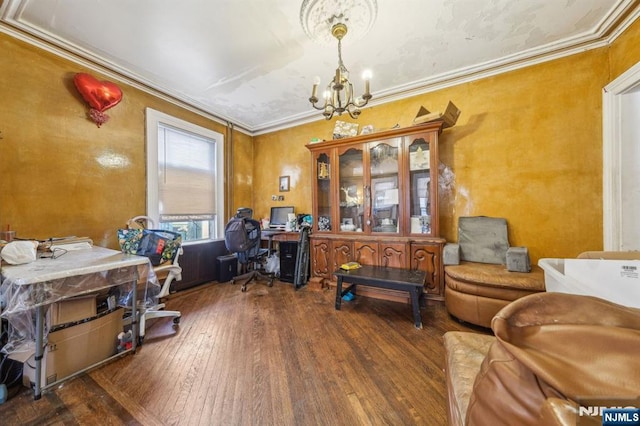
x=420, y=193
x=385, y=191
x=284, y=184
x=419, y=160
x=343, y=129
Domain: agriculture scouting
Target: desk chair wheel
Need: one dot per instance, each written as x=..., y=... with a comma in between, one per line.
x=176, y=320
x=243, y=288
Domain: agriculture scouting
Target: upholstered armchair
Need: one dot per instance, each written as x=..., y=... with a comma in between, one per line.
x=483, y=273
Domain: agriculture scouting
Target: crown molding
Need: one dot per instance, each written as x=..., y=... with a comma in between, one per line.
x=100, y=65
x=622, y=15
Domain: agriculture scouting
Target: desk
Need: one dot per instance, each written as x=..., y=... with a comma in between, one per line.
x=278, y=235
x=411, y=281
x=34, y=286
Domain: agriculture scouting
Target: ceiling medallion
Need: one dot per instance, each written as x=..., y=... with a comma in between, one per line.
x=319, y=16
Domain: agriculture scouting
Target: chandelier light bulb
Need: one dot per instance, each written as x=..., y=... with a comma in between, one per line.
x=366, y=75
x=314, y=92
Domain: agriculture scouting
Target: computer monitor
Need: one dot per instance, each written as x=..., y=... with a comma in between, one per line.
x=279, y=216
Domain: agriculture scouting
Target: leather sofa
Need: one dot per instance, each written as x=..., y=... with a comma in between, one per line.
x=553, y=358
x=483, y=274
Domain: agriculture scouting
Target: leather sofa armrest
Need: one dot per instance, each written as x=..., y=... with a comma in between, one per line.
x=562, y=412
x=451, y=254
x=518, y=259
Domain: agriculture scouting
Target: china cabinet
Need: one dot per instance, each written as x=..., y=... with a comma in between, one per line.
x=375, y=201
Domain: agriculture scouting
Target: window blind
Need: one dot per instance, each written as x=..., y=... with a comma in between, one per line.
x=186, y=175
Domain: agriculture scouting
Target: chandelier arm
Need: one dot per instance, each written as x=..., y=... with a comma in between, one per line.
x=337, y=101
x=353, y=110
x=349, y=93
x=328, y=114
x=361, y=103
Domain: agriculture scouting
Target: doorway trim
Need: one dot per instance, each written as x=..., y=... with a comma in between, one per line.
x=612, y=142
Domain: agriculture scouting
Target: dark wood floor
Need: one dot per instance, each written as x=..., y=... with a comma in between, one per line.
x=270, y=356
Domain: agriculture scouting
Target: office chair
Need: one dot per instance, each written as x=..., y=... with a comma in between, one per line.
x=242, y=237
x=167, y=272
x=244, y=212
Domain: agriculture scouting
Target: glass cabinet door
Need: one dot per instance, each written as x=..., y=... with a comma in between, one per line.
x=384, y=190
x=350, y=185
x=323, y=192
x=420, y=187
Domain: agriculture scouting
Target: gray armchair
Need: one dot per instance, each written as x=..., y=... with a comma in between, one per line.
x=484, y=239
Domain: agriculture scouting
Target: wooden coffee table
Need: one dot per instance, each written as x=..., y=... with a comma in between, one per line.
x=411, y=281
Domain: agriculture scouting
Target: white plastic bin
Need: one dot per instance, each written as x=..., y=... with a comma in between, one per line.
x=615, y=280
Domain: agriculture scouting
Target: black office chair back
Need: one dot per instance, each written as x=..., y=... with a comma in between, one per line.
x=245, y=212
x=242, y=236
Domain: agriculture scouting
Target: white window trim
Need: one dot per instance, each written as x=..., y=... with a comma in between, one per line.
x=153, y=118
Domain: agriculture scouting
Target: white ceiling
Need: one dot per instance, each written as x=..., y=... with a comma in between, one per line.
x=249, y=62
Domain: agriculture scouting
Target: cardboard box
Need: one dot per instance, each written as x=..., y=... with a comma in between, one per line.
x=450, y=116
x=75, y=348
x=72, y=310
x=615, y=280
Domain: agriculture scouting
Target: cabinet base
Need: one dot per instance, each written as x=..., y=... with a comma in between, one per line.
x=316, y=284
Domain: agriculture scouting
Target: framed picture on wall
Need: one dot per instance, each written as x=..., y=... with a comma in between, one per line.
x=284, y=183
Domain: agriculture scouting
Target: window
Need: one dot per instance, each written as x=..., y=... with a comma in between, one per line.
x=185, y=177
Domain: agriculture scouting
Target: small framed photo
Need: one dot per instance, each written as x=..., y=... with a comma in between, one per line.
x=284, y=183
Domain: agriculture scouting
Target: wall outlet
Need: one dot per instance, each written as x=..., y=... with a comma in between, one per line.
x=280, y=197
x=274, y=198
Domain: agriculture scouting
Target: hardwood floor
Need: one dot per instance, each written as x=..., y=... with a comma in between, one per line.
x=270, y=356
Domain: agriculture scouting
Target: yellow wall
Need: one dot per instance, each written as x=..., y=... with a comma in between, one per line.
x=625, y=52
x=527, y=147
x=52, y=181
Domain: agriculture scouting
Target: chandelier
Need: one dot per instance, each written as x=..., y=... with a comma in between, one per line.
x=338, y=96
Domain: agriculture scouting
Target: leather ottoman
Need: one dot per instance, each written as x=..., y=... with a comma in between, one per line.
x=475, y=292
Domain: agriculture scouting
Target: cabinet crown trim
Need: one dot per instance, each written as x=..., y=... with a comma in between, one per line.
x=384, y=134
